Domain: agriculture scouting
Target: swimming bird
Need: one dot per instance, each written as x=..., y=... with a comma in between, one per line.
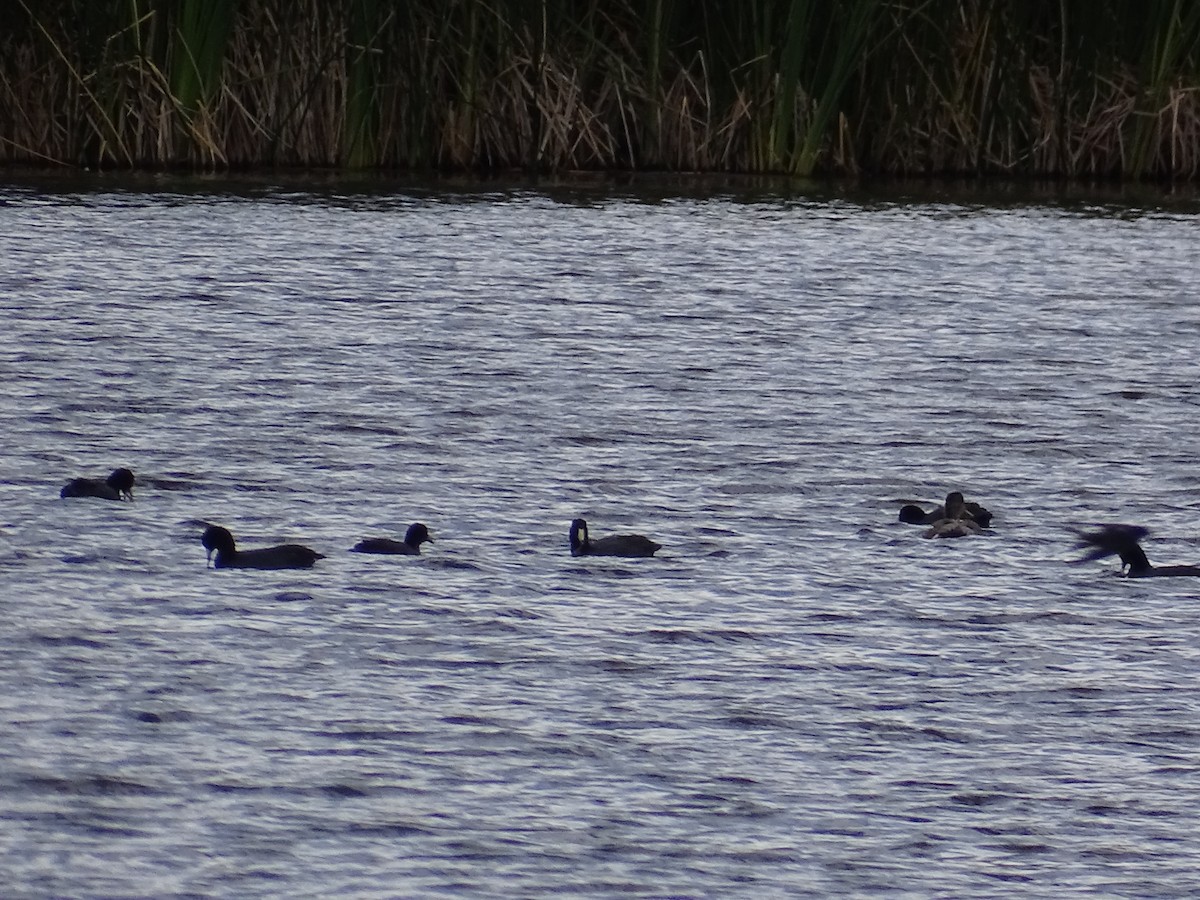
x=956, y=521
x=613, y=545
x=416, y=535
x=912, y=514
x=1123, y=541
x=117, y=486
x=218, y=540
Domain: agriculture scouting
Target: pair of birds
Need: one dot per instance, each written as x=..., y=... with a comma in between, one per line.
x=955, y=518
x=219, y=541
x=958, y=518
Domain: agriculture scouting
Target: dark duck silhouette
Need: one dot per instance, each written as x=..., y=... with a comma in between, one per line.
x=914, y=515
x=1124, y=541
x=416, y=535
x=218, y=540
x=117, y=486
x=956, y=520
x=614, y=545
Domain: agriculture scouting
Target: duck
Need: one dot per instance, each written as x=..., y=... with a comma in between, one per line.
x=956, y=520
x=416, y=535
x=218, y=540
x=631, y=545
x=911, y=514
x=117, y=486
x=1124, y=541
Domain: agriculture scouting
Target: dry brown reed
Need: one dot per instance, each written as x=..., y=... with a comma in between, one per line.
x=1076, y=88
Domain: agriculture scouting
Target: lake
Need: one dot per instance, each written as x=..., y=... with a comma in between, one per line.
x=798, y=697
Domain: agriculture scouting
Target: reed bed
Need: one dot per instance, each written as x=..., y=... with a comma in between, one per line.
x=1074, y=88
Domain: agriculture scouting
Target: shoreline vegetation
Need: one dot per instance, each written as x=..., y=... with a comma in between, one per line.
x=1104, y=89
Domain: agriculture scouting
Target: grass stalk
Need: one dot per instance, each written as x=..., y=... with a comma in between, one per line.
x=1074, y=87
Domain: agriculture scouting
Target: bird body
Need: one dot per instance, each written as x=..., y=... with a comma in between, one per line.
x=912, y=514
x=628, y=545
x=219, y=541
x=952, y=528
x=956, y=520
x=1124, y=541
x=117, y=486
x=416, y=535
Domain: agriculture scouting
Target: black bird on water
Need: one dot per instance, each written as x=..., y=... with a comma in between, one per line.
x=218, y=540
x=1123, y=541
x=630, y=545
x=117, y=486
x=416, y=535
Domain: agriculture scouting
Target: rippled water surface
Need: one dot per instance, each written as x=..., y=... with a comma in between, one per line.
x=798, y=697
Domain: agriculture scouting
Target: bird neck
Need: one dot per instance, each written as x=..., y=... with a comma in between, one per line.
x=1134, y=558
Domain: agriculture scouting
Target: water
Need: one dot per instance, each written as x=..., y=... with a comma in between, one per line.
x=798, y=697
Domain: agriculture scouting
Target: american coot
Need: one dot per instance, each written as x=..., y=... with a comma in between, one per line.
x=117, y=486
x=218, y=540
x=1122, y=541
x=914, y=515
x=956, y=521
x=614, y=545
x=416, y=535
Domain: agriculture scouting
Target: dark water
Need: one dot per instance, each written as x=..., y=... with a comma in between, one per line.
x=799, y=697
